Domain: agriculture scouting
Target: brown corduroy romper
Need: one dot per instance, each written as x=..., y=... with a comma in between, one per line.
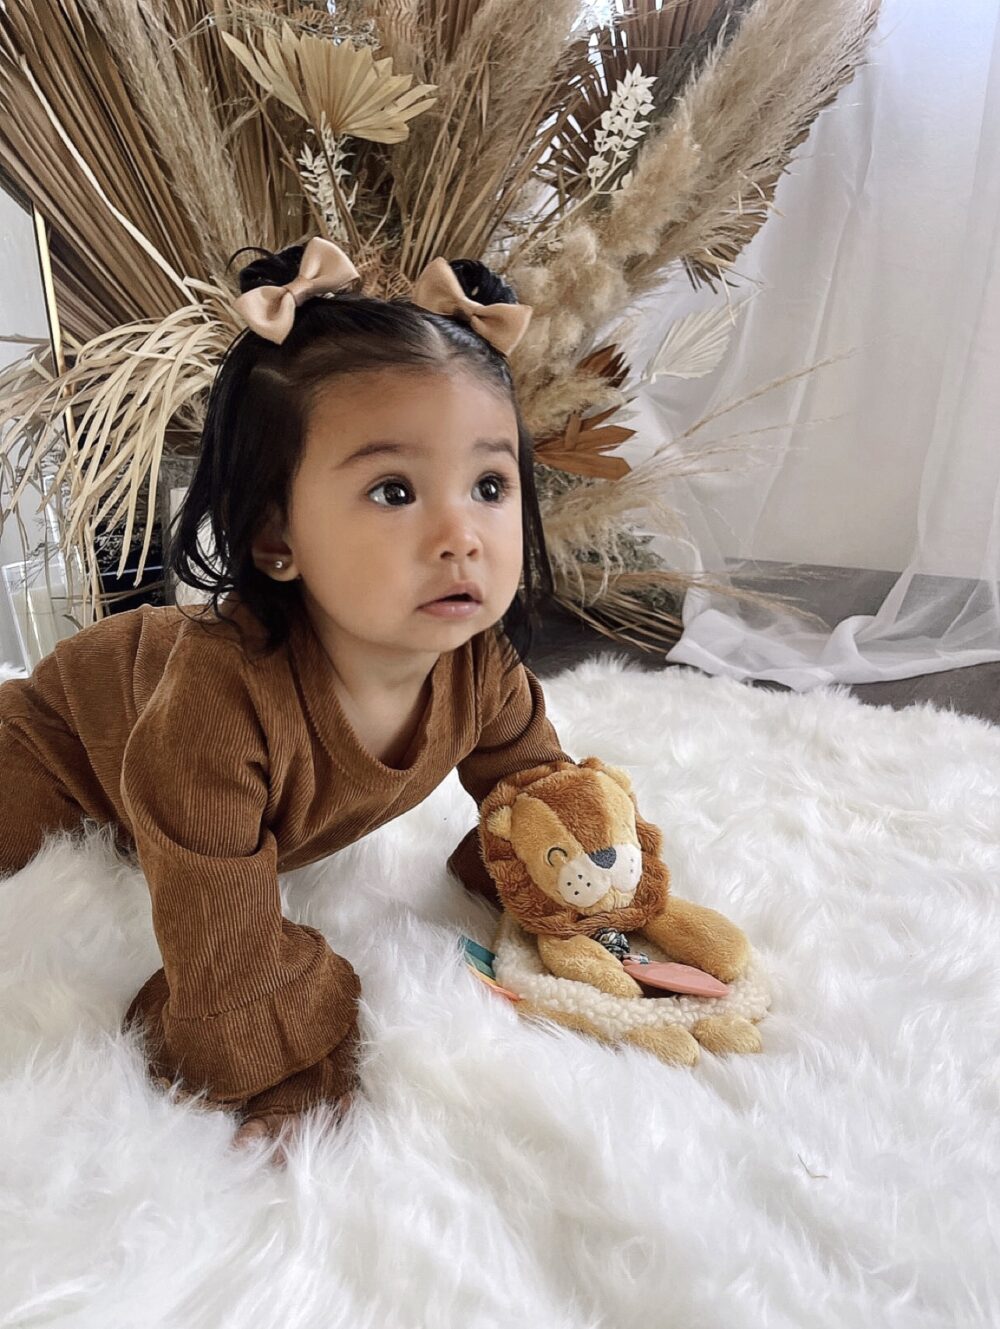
x=223, y=768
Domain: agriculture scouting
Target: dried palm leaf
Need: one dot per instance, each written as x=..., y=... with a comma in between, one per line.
x=321, y=22
x=630, y=606
x=606, y=362
x=166, y=85
x=694, y=345
x=49, y=52
x=261, y=139
x=502, y=70
x=342, y=86
x=85, y=132
x=402, y=30
x=618, y=611
x=720, y=23
x=128, y=387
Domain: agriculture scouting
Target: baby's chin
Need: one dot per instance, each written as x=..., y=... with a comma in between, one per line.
x=443, y=634
x=455, y=627
x=422, y=631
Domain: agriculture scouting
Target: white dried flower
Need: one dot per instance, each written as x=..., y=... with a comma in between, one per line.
x=622, y=126
x=315, y=174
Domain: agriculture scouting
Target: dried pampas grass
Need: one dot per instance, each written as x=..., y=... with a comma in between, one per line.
x=787, y=61
x=702, y=182
x=166, y=85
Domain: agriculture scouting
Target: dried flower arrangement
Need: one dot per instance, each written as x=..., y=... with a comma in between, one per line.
x=583, y=158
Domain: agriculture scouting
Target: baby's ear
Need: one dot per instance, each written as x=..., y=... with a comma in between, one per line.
x=271, y=552
x=498, y=823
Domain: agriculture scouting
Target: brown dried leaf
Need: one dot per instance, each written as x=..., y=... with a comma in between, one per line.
x=579, y=447
x=606, y=362
x=584, y=463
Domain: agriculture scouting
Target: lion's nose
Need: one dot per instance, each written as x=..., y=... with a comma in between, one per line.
x=604, y=858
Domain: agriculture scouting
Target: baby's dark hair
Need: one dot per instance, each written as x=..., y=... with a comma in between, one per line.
x=255, y=424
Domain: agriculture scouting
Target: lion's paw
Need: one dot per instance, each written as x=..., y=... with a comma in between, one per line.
x=615, y=983
x=672, y=1045
x=733, y=959
x=727, y=1033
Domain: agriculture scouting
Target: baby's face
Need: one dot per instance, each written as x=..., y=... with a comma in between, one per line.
x=377, y=537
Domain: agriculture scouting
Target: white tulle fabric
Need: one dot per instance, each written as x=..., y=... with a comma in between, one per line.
x=882, y=468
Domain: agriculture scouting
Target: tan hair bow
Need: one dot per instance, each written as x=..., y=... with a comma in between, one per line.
x=439, y=290
x=270, y=310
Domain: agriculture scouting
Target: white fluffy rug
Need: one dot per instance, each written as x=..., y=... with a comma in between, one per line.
x=498, y=1175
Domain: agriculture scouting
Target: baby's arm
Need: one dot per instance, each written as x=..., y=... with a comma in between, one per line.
x=253, y=1009
x=515, y=735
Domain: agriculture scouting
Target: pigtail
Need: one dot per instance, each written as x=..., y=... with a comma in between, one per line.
x=481, y=283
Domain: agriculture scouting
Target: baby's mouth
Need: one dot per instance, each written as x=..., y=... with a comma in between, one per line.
x=456, y=597
x=460, y=604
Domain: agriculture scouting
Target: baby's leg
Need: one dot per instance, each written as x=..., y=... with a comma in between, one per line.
x=33, y=803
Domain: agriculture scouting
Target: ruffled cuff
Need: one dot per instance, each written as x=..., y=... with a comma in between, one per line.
x=237, y=1054
x=327, y=1082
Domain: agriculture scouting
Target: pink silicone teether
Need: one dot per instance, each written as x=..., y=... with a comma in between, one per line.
x=675, y=978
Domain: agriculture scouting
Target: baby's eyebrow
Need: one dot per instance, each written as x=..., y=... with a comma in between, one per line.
x=391, y=448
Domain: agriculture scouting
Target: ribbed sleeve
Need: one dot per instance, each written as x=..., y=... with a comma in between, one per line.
x=515, y=733
x=245, y=998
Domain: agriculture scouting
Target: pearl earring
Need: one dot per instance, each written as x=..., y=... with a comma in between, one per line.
x=279, y=563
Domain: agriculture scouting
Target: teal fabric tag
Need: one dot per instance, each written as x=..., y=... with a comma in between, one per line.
x=481, y=965
x=478, y=956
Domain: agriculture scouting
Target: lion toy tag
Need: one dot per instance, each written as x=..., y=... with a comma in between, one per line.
x=682, y=978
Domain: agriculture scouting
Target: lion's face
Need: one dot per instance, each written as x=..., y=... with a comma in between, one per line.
x=555, y=840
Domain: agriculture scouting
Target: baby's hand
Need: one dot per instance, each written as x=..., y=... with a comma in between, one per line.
x=274, y=1126
x=280, y=1126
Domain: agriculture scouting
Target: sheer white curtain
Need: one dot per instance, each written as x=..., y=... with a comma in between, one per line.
x=22, y=314
x=885, y=468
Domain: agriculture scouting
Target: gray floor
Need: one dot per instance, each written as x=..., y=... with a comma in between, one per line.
x=564, y=641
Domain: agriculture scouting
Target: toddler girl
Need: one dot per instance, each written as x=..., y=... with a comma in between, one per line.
x=367, y=483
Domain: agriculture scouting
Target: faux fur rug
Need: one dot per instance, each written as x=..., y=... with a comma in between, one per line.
x=496, y=1175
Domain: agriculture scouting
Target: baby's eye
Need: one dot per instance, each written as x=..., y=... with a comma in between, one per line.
x=394, y=486
x=497, y=486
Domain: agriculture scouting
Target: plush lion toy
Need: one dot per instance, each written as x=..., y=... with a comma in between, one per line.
x=570, y=856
